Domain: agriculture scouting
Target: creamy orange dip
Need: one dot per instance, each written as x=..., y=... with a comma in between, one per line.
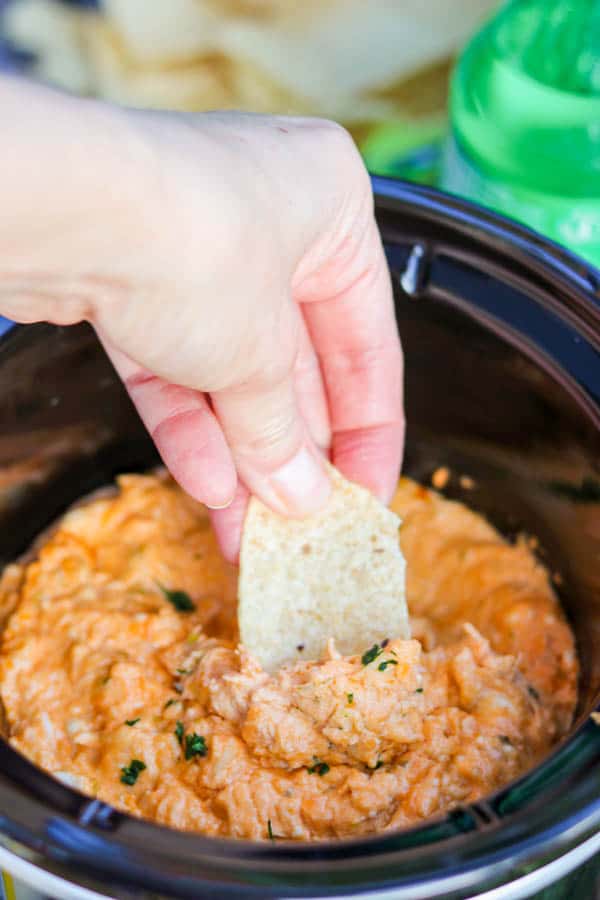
x=112, y=685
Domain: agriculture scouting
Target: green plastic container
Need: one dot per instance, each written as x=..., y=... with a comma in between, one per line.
x=525, y=120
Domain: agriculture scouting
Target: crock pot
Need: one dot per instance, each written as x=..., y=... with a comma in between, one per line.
x=501, y=331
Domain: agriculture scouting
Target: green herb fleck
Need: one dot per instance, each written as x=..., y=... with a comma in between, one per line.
x=532, y=692
x=418, y=690
x=378, y=765
x=271, y=834
x=171, y=702
x=321, y=768
x=350, y=699
x=183, y=671
x=181, y=601
x=387, y=662
x=195, y=745
x=179, y=731
x=371, y=654
x=131, y=722
x=129, y=774
x=504, y=739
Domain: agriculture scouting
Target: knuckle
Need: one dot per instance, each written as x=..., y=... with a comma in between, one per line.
x=171, y=433
x=379, y=365
x=341, y=143
x=338, y=145
x=153, y=390
x=140, y=380
x=267, y=375
x=272, y=439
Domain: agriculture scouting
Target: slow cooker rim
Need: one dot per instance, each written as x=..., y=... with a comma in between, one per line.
x=539, y=253
x=85, y=840
x=484, y=227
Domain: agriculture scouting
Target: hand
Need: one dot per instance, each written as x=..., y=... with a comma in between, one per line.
x=248, y=308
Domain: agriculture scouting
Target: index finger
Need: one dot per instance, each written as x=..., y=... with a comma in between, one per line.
x=349, y=310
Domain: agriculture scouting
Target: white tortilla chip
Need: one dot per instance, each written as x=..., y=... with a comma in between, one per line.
x=338, y=574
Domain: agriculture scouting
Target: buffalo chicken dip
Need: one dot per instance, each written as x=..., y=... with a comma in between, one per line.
x=121, y=674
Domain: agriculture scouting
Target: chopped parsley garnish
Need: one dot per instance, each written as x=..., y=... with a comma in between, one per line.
x=418, y=690
x=387, y=662
x=129, y=774
x=195, y=745
x=179, y=731
x=183, y=671
x=371, y=654
x=378, y=765
x=131, y=722
x=171, y=702
x=350, y=699
x=181, y=601
x=270, y=834
x=321, y=768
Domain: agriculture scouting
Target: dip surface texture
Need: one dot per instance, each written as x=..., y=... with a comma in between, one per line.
x=113, y=684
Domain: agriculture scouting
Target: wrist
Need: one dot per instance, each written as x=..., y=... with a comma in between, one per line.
x=72, y=182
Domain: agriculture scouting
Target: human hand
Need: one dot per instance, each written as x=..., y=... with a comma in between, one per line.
x=248, y=309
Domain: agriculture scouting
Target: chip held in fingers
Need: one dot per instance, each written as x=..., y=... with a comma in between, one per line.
x=337, y=574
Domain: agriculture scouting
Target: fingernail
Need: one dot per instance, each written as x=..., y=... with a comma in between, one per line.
x=221, y=506
x=302, y=485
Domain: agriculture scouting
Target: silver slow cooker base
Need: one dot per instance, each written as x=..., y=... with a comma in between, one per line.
x=33, y=882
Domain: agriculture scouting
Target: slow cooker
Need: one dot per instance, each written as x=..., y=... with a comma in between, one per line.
x=501, y=331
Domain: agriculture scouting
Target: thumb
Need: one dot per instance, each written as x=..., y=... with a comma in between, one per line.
x=273, y=453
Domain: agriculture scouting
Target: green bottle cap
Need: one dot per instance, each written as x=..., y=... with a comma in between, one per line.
x=525, y=97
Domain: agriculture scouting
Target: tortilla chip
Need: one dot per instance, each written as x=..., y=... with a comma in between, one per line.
x=338, y=574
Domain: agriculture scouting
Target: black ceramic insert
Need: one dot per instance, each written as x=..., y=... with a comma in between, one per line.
x=501, y=332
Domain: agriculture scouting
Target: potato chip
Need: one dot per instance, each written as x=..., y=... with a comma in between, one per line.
x=338, y=574
x=343, y=59
x=163, y=31
x=118, y=77
x=166, y=31
x=210, y=81
x=354, y=47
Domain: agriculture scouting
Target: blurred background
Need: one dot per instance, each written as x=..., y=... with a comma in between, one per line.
x=381, y=67
x=495, y=101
